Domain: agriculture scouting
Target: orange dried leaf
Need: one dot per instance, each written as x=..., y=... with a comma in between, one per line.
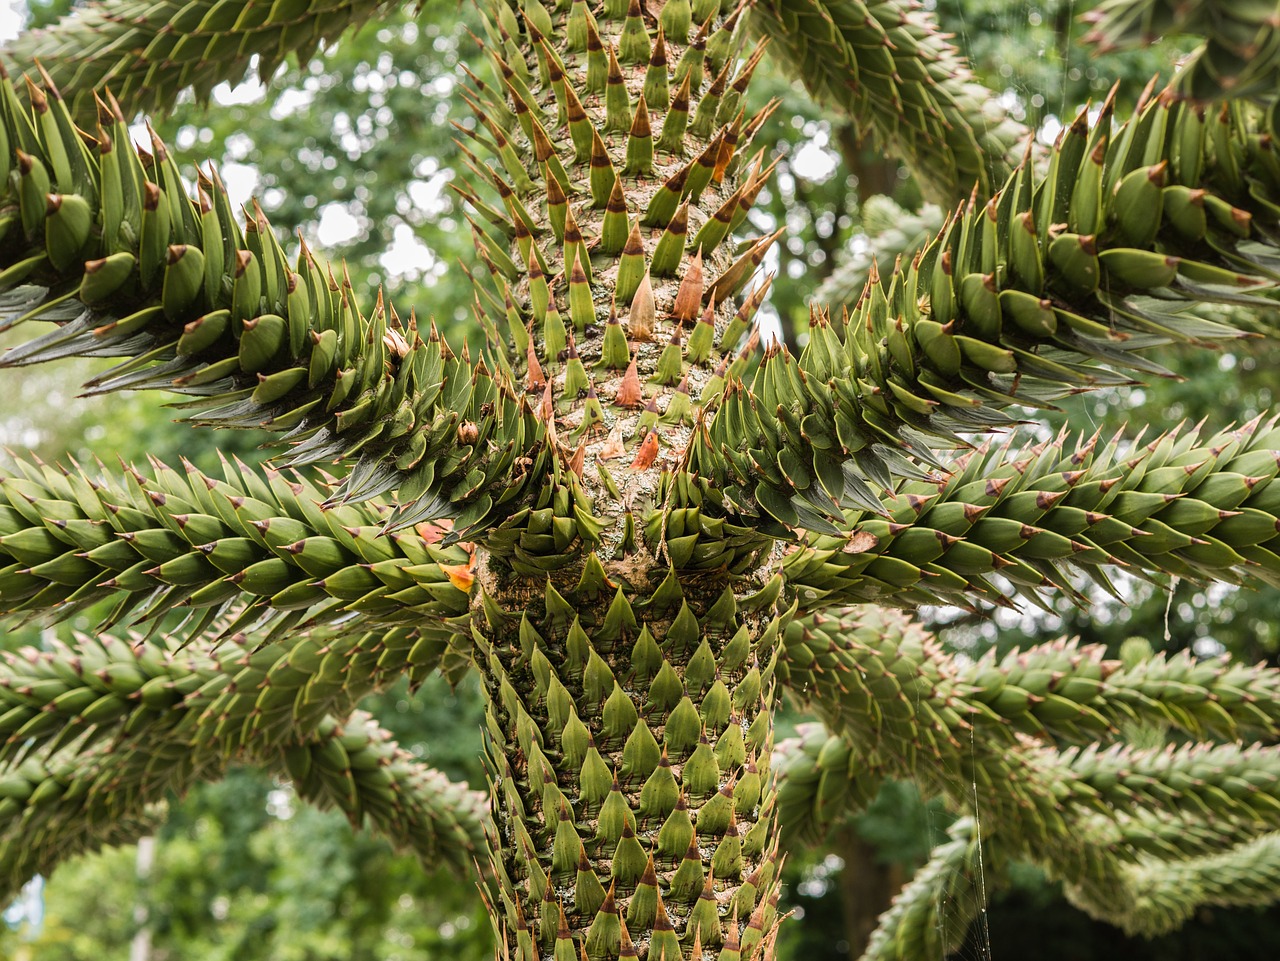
x=648, y=452
x=459, y=575
x=689, y=296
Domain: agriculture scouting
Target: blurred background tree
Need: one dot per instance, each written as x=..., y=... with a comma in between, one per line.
x=356, y=151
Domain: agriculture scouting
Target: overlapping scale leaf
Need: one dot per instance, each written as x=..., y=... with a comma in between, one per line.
x=51, y=811
x=265, y=548
x=354, y=766
x=212, y=691
x=1200, y=508
x=888, y=65
x=1240, y=56
x=150, y=51
x=822, y=780
x=1059, y=693
x=1057, y=284
x=104, y=242
x=885, y=686
x=699, y=532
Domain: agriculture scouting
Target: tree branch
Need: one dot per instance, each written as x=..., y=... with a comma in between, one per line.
x=97, y=735
x=1199, y=508
x=104, y=242
x=886, y=64
x=150, y=53
x=272, y=550
x=1048, y=289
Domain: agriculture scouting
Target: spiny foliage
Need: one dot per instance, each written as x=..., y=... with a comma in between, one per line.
x=649, y=527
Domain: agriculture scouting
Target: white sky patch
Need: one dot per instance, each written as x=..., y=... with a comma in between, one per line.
x=814, y=161
x=250, y=91
x=407, y=255
x=1049, y=130
x=13, y=16
x=241, y=181
x=290, y=102
x=337, y=225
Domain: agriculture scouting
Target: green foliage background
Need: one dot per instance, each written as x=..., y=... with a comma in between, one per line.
x=240, y=872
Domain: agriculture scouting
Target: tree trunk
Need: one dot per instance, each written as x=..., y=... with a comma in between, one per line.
x=867, y=887
x=629, y=734
x=626, y=635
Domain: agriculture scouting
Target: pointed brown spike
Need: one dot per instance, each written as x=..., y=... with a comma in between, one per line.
x=759, y=120
x=643, y=311
x=603, y=174
x=579, y=124
x=626, y=948
x=534, y=378
x=543, y=149
x=688, y=301
x=662, y=920
x=640, y=125
x=572, y=233
x=547, y=407
x=743, y=80
x=658, y=56
x=617, y=199
x=650, y=875
x=630, y=393
x=639, y=159
x=39, y=102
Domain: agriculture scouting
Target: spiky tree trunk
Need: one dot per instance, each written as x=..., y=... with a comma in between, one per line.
x=630, y=705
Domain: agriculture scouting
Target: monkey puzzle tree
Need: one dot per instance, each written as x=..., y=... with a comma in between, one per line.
x=639, y=527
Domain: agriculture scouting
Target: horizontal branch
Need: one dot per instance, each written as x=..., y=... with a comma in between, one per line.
x=149, y=53
x=888, y=66
x=1200, y=508
x=274, y=549
x=211, y=692
x=103, y=241
x=356, y=767
x=94, y=735
x=1166, y=894
x=898, y=707
x=876, y=673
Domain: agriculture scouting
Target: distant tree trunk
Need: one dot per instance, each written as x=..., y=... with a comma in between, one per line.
x=867, y=886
